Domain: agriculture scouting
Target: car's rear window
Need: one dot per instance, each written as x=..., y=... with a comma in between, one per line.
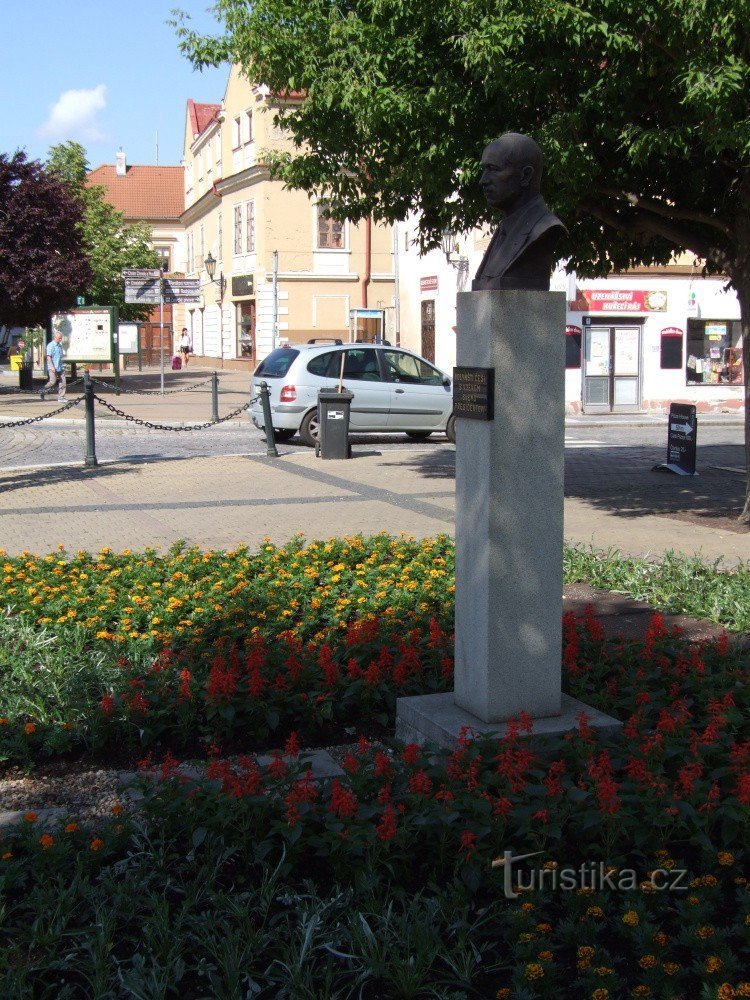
x=278, y=363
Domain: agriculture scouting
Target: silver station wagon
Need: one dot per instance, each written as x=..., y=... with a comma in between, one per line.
x=394, y=390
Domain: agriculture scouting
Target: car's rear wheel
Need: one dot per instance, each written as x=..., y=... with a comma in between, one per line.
x=418, y=435
x=450, y=429
x=309, y=429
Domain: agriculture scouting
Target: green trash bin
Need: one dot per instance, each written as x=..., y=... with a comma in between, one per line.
x=333, y=421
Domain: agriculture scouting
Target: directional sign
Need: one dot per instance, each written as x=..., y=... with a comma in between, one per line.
x=141, y=273
x=681, y=440
x=145, y=291
x=182, y=290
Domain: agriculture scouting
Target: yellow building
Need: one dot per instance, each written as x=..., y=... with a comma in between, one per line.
x=284, y=271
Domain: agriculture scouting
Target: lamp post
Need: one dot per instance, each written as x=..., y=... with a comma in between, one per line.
x=210, y=265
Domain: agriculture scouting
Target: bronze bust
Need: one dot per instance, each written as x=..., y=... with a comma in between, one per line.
x=522, y=249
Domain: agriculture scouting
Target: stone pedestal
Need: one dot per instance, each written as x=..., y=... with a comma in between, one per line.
x=509, y=522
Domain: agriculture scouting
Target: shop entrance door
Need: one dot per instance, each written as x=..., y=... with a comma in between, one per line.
x=612, y=368
x=428, y=329
x=246, y=331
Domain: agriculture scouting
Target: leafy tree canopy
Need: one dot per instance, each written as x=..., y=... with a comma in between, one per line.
x=109, y=243
x=42, y=264
x=640, y=107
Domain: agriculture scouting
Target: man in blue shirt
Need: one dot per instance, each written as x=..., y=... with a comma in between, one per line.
x=55, y=368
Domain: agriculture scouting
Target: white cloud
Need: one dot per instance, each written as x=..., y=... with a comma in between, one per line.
x=73, y=116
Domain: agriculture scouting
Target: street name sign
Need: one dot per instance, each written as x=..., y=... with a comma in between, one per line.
x=182, y=290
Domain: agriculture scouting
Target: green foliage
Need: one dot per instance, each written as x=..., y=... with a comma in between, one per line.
x=110, y=244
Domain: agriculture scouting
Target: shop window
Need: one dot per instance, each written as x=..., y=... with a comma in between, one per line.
x=573, y=337
x=714, y=352
x=330, y=231
x=671, y=349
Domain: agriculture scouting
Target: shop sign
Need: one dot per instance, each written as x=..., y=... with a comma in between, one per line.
x=474, y=393
x=242, y=284
x=671, y=331
x=620, y=300
x=573, y=331
x=428, y=284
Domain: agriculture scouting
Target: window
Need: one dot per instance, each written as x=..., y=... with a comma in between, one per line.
x=250, y=226
x=248, y=123
x=361, y=365
x=330, y=231
x=401, y=367
x=671, y=349
x=165, y=258
x=190, y=253
x=714, y=352
x=236, y=134
x=325, y=365
x=573, y=337
x=238, y=228
x=217, y=151
x=278, y=362
x=202, y=245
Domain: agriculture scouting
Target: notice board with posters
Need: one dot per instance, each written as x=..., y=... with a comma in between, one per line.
x=88, y=333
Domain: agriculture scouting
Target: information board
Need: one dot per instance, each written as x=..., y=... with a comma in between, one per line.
x=474, y=393
x=128, y=338
x=87, y=334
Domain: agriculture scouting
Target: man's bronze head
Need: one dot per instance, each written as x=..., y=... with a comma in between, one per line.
x=511, y=171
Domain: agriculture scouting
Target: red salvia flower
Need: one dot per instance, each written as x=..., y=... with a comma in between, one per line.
x=343, y=801
x=386, y=828
x=291, y=747
x=468, y=844
x=420, y=784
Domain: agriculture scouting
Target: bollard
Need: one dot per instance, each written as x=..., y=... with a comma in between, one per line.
x=265, y=398
x=88, y=390
x=214, y=396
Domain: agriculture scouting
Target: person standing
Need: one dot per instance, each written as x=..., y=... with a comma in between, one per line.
x=186, y=345
x=55, y=368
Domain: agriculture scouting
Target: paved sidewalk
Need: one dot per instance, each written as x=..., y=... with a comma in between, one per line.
x=223, y=502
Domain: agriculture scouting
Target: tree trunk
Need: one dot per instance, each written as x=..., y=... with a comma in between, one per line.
x=741, y=284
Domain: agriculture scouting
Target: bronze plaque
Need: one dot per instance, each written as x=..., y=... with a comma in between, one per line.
x=474, y=393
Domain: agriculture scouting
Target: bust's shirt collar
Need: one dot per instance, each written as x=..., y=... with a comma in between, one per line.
x=515, y=223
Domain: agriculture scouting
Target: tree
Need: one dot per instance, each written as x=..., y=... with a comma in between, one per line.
x=640, y=107
x=42, y=264
x=109, y=243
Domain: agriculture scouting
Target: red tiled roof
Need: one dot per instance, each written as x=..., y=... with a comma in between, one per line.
x=144, y=192
x=201, y=115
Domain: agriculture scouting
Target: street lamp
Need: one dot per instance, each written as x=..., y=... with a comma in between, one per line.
x=210, y=264
x=450, y=249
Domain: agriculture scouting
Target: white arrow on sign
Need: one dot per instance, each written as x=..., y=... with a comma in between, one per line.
x=685, y=429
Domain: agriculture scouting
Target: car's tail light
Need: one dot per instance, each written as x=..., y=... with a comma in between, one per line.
x=288, y=394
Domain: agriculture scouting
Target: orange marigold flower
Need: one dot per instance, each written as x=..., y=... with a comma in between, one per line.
x=706, y=931
x=8, y=854
x=30, y=817
x=29, y=728
x=585, y=951
x=545, y=956
x=631, y=918
x=743, y=990
x=725, y=858
x=671, y=968
x=46, y=841
x=117, y=809
x=647, y=962
x=582, y=964
x=544, y=928
x=641, y=991
x=713, y=964
x=534, y=971
x=96, y=844
x=527, y=907
x=595, y=911
x=600, y=994
x=503, y=994
x=661, y=938
x=726, y=992
x=71, y=828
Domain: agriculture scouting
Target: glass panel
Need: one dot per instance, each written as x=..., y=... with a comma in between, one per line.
x=626, y=391
x=626, y=351
x=278, y=363
x=596, y=391
x=361, y=365
x=597, y=351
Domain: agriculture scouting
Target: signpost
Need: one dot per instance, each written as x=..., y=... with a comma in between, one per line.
x=681, y=440
x=148, y=286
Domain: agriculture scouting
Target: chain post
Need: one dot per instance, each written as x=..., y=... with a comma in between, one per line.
x=265, y=398
x=214, y=396
x=88, y=391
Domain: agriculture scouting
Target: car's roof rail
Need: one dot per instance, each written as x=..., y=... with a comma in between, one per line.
x=327, y=340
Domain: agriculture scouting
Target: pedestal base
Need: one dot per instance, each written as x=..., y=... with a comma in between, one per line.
x=436, y=718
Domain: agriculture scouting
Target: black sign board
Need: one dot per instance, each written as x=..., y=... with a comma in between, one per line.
x=474, y=393
x=681, y=440
x=242, y=285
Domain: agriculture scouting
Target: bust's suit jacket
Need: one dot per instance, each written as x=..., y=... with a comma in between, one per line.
x=522, y=249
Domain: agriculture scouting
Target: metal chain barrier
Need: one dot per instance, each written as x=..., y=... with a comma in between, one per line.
x=166, y=427
x=150, y=392
x=44, y=416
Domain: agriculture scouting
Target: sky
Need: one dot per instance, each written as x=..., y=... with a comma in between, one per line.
x=105, y=73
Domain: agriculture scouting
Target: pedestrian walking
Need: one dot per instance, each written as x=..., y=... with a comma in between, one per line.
x=186, y=345
x=55, y=368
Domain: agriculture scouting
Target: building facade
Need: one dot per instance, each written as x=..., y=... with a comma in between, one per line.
x=284, y=270
x=635, y=342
